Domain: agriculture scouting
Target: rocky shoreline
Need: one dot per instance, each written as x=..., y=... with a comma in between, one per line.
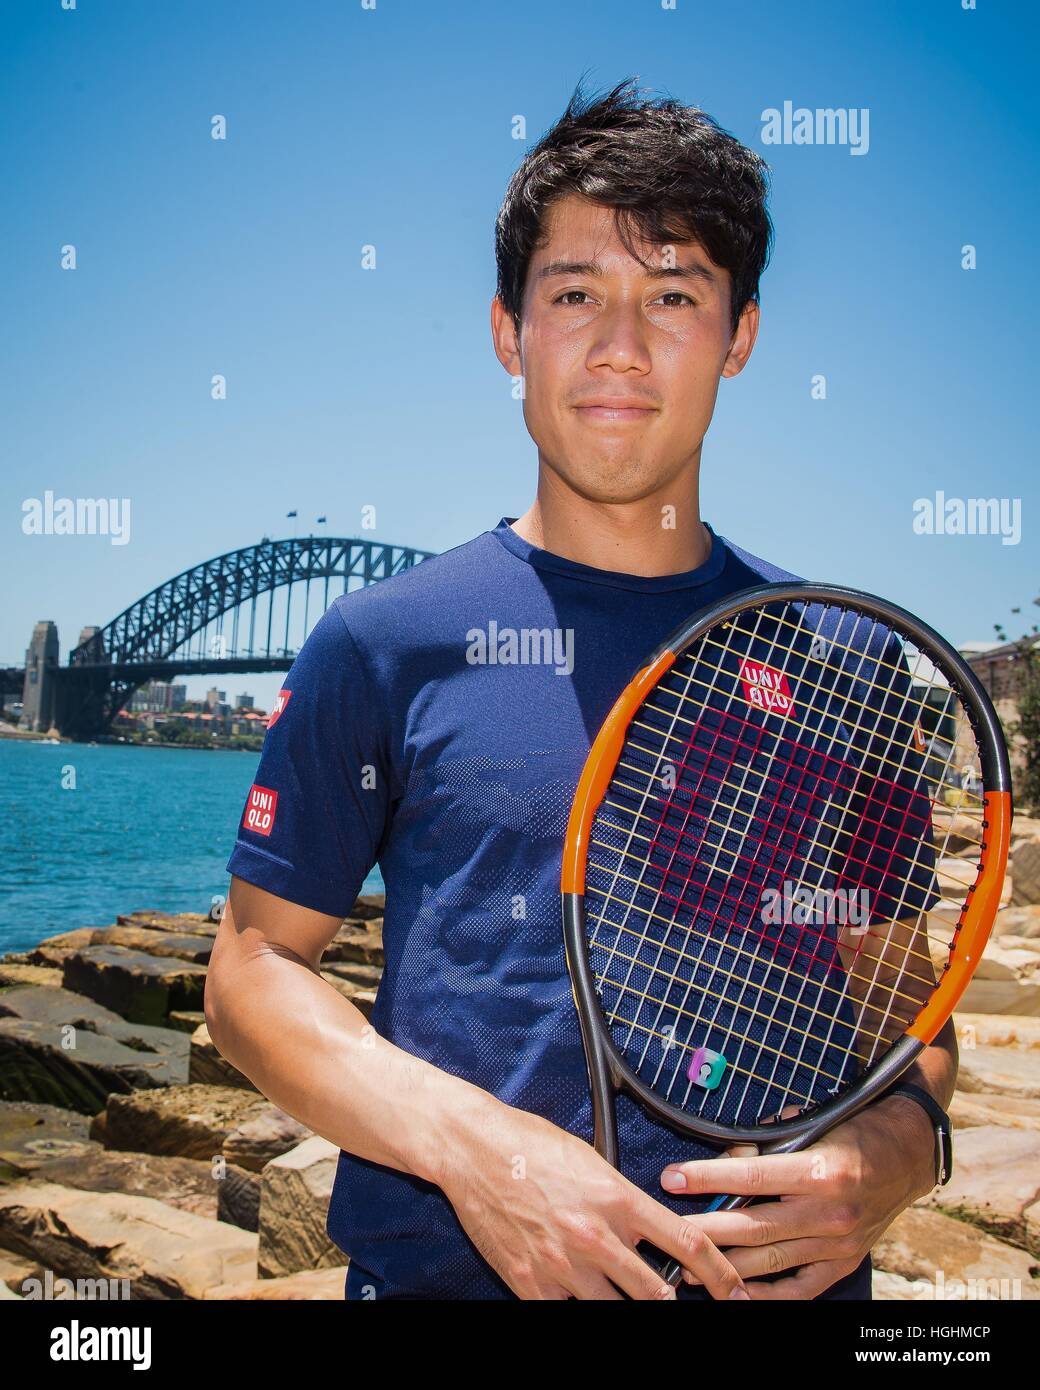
x=131, y=1152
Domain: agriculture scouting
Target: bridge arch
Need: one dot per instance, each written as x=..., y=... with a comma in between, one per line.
x=154, y=637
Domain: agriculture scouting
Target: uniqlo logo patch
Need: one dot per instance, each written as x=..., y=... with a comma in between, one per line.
x=279, y=706
x=765, y=687
x=260, y=809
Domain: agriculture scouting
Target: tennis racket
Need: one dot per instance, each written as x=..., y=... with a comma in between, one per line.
x=783, y=860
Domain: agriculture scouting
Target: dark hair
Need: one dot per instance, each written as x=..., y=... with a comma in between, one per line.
x=671, y=171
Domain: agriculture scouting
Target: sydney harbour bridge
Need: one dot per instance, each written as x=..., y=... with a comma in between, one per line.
x=232, y=614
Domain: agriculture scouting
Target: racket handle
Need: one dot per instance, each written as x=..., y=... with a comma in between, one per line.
x=723, y=1203
x=666, y=1266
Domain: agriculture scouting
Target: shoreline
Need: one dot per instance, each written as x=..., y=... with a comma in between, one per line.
x=25, y=736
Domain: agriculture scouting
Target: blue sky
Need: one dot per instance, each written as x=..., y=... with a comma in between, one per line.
x=346, y=387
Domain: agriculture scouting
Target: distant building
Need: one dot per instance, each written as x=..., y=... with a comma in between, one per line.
x=243, y=702
x=215, y=697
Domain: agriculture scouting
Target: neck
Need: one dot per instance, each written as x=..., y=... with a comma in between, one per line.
x=656, y=535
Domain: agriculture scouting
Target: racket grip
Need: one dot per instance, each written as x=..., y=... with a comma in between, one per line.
x=724, y=1203
x=666, y=1266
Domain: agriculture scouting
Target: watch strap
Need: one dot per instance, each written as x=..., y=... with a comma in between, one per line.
x=940, y=1122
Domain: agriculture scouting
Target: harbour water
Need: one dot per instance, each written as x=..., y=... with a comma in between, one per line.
x=87, y=832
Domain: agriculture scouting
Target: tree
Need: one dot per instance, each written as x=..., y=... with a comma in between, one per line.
x=1026, y=728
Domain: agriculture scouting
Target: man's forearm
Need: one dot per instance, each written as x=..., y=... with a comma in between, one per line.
x=935, y=1071
x=312, y=1053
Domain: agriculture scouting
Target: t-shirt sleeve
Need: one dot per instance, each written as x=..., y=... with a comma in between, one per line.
x=319, y=806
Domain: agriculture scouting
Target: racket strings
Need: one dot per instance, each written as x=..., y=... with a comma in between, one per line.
x=800, y=999
x=817, y=687
x=700, y=962
x=915, y=668
x=880, y=821
x=728, y=974
x=895, y=857
x=808, y=911
x=711, y=823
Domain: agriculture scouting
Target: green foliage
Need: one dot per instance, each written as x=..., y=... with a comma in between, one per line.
x=1026, y=728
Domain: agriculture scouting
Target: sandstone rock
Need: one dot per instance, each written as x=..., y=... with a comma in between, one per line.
x=190, y=1121
x=64, y=1008
x=927, y=1245
x=185, y=1183
x=208, y=1067
x=193, y=947
x=1018, y=921
x=885, y=1287
x=294, y=1202
x=996, y=1177
x=162, y=1252
x=1024, y=867
x=263, y=1135
x=14, y=1268
x=1002, y=1071
x=1012, y=1112
x=327, y=1284
x=999, y=962
x=238, y=1198
x=1031, y=1221
x=15, y=974
x=996, y=1030
x=353, y=942
x=32, y=1135
x=1004, y=997
x=197, y=923
x=57, y=1047
x=1006, y=981
x=368, y=906
x=143, y=988
x=1021, y=943
x=54, y=950
x=185, y=1020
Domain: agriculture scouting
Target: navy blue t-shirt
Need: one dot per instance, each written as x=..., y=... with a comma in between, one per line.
x=436, y=723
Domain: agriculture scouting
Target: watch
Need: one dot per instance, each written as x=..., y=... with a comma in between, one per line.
x=940, y=1122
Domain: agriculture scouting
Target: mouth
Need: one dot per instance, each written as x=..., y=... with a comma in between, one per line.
x=615, y=413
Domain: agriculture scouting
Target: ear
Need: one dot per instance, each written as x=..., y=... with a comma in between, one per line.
x=743, y=339
x=505, y=338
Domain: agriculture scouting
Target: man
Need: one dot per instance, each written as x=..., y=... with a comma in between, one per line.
x=436, y=723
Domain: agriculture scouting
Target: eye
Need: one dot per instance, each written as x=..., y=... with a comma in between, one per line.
x=560, y=298
x=676, y=294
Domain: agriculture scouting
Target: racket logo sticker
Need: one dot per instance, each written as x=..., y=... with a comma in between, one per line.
x=706, y=1068
x=765, y=687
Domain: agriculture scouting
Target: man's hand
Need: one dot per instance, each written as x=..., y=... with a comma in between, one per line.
x=557, y=1221
x=832, y=1201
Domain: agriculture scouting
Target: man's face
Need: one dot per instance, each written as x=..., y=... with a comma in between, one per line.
x=621, y=361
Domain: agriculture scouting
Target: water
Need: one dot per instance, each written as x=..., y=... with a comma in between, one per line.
x=144, y=827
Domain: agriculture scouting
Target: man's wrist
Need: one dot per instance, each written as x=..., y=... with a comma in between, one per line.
x=913, y=1134
x=460, y=1119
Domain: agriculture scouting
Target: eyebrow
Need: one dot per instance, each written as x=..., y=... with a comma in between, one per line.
x=694, y=271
